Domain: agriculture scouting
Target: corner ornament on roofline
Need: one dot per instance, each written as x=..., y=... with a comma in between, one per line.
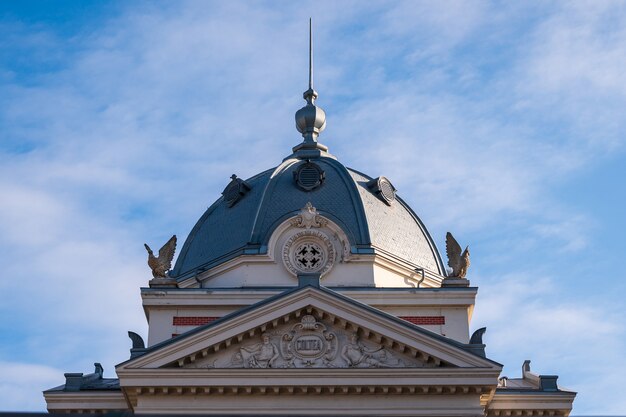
x=459, y=262
x=308, y=217
x=139, y=347
x=477, y=336
x=163, y=263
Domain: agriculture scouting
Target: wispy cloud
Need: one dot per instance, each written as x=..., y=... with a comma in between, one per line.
x=126, y=132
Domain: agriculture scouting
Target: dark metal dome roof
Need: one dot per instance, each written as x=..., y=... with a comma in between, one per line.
x=370, y=223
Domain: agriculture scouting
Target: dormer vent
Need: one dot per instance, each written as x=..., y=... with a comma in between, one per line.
x=309, y=176
x=235, y=190
x=383, y=188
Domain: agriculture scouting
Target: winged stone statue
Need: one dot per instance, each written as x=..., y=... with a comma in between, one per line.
x=459, y=262
x=163, y=263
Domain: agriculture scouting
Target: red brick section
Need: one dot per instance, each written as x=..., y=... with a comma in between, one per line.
x=192, y=321
x=424, y=320
x=200, y=320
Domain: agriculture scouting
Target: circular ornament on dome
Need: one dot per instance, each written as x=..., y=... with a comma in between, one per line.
x=383, y=188
x=386, y=190
x=309, y=251
x=309, y=176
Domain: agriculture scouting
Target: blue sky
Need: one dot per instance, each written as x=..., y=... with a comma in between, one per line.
x=503, y=122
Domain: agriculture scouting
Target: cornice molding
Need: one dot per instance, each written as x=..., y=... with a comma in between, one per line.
x=538, y=403
x=452, y=297
x=85, y=401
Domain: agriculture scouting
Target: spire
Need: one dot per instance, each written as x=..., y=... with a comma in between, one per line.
x=310, y=55
x=310, y=119
x=310, y=95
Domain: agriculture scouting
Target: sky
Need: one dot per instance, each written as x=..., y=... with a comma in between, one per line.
x=502, y=122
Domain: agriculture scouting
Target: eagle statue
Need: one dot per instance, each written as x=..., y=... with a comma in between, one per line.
x=163, y=263
x=459, y=262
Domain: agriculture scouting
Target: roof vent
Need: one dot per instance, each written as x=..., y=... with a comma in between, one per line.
x=235, y=190
x=383, y=188
x=309, y=176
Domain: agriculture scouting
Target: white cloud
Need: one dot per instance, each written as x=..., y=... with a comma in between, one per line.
x=22, y=385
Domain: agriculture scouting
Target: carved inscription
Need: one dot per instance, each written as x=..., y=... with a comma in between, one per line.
x=308, y=346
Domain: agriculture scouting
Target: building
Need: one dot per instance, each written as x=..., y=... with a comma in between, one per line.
x=310, y=288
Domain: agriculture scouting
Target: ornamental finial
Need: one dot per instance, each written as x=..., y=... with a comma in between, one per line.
x=310, y=119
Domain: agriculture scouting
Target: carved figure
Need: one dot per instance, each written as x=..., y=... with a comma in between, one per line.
x=459, y=262
x=260, y=355
x=163, y=263
x=357, y=355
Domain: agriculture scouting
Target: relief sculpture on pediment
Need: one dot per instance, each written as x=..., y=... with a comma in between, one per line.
x=309, y=343
x=260, y=355
x=357, y=355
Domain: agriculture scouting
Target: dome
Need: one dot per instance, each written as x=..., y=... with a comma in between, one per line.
x=353, y=201
x=372, y=235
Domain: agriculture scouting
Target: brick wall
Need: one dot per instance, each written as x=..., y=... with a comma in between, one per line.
x=200, y=320
x=192, y=321
x=425, y=320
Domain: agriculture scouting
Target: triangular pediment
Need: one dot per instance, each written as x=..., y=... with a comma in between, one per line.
x=308, y=328
x=309, y=338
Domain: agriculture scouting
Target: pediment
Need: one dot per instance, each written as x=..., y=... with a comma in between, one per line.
x=308, y=328
x=309, y=338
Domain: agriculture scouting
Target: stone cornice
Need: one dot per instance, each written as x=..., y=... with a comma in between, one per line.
x=537, y=403
x=332, y=389
x=85, y=401
x=317, y=383
x=162, y=377
x=202, y=297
